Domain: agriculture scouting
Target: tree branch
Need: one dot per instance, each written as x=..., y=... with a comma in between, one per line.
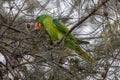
x=96, y=8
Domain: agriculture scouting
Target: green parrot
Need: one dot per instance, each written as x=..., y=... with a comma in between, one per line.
x=56, y=31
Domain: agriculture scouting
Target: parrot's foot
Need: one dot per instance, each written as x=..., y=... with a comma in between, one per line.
x=57, y=43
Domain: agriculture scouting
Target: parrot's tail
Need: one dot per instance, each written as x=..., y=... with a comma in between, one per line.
x=73, y=46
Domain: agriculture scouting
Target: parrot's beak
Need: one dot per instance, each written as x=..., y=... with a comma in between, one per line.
x=37, y=25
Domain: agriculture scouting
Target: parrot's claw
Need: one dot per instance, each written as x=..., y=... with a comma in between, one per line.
x=55, y=44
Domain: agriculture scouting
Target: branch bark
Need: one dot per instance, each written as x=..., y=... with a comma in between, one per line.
x=96, y=8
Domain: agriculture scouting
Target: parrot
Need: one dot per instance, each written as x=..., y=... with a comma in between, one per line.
x=56, y=30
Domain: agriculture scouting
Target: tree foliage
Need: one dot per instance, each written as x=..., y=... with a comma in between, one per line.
x=30, y=56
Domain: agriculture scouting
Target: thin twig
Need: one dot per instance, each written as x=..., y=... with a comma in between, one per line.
x=110, y=66
x=96, y=8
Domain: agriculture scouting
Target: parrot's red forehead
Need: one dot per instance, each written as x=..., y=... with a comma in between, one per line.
x=36, y=25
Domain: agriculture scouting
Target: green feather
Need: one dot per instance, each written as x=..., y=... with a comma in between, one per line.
x=72, y=45
x=59, y=26
x=63, y=28
x=57, y=30
x=41, y=18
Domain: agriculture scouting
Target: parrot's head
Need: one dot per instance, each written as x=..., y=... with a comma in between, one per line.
x=39, y=21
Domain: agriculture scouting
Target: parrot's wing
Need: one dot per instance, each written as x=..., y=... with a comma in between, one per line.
x=63, y=28
x=60, y=26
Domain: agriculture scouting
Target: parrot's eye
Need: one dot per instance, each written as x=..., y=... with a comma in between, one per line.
x=37, y=25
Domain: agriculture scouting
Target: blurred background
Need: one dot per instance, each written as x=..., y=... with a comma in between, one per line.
x=26, y=54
